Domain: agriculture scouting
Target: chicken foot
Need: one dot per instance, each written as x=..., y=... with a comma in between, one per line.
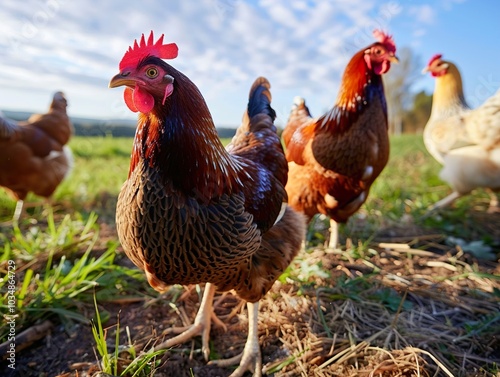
x=201, y=325
x=250, y=359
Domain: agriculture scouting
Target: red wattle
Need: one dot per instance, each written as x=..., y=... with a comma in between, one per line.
x=128, y=96
x=138, y=99
x=381, y=68
x=143, y=100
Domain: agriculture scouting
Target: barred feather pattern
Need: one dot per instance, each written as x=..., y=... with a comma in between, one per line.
x=178, y=240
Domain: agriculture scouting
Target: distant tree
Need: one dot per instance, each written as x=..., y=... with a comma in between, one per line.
x=398, y=83
x=415, y=119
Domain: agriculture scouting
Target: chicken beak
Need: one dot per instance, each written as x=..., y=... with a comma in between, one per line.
x=425, y=70
x=394, y=59
x=121, y=79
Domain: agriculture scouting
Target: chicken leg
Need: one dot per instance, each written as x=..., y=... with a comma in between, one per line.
x=494, y=206
x=201, y=325
x=334, y=234
x=250, y=359
x=18, y=211
x=445, y=202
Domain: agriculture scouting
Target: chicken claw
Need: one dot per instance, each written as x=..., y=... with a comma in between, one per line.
x=201, y=325
x=250, y=359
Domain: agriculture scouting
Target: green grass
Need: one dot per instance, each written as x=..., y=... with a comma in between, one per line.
x=123, y=361
x=59, y=274
x=58, y=271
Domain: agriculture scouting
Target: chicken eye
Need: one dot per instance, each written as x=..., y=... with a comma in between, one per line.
x=378, y=51
x=152, y=72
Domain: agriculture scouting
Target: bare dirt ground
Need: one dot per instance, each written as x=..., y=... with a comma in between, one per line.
x=410, y=306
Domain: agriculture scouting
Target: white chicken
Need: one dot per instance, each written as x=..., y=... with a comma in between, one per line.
x=465, y=141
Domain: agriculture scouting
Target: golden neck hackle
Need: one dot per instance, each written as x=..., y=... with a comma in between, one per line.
x=449, y=91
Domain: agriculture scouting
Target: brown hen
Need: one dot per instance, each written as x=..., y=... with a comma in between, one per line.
x=334, y=159
x=33, y=153
x=194, y=212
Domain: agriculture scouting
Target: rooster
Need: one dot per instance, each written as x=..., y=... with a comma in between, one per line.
x=194, y=212
x=334, y=159
x=466, y=142
x=33, y=153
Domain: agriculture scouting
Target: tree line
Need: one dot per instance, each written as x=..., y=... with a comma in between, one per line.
x=408, y=111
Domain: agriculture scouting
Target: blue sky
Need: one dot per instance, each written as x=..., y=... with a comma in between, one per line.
x=301, y=46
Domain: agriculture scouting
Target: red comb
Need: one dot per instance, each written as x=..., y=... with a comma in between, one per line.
x=435, y=57
x=385, y=39
x=141, y=50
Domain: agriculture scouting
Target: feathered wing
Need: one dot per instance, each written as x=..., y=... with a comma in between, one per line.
x=455, y=128
x=278, y=247
x=340, y=166
x=446, y=134
x=483, y=123
x=55, y=167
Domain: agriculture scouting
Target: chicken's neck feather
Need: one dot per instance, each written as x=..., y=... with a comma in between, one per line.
x=180, y=140
x=359, y=85
x=448, y=98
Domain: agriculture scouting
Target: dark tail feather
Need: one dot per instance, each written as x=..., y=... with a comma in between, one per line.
x=257, y=143
x=259, y=101
x=257, y=138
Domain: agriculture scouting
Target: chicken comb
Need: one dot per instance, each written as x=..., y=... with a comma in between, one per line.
x=385, y=39
x=143, y=49
x=434, y=58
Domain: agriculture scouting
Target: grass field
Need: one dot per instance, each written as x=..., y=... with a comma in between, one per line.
x=408, y=185
x=404, y=295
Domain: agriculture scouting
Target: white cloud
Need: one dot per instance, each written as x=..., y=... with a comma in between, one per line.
x=419, y=32
x=449, y=4
x=424, y=14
